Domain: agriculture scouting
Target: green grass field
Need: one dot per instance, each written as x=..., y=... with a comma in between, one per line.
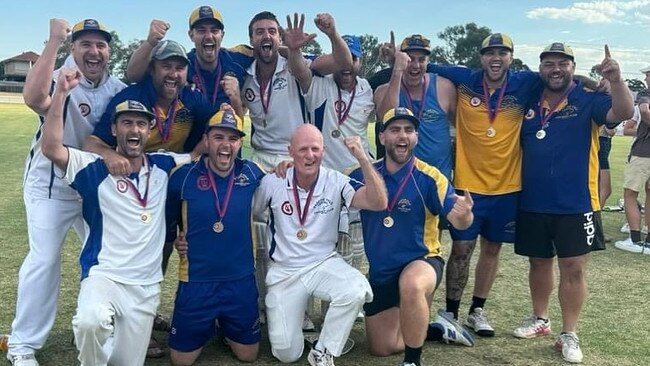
x=614, y=329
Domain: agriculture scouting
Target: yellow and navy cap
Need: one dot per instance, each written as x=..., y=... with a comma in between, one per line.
x=497, y=40
x=226, y=119
x=557, y=48
x=90, y=25
x=399, y=113
x=133, y=106
x=416, y=42
x=206, y=12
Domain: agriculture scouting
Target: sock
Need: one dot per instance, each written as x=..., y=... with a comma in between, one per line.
x=434, y=332
x=635, y=236
x=412, y=355
x=453, y=306
x=477, y=302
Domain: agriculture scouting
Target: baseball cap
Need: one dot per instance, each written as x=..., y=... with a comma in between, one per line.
x=90, y=25
x=399, y=113
x=206, y=12
x=497, y=40
x=645, y=69
x=226, y=119
x=557, y=48
x=166, y=49
x=416, y=42
x=135, y=107
x=354, y=44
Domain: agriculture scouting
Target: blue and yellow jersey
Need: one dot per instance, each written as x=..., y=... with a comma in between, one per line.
x=191, y=204
x=484, y=164
x=560, y=171
x=192, y=113
x=233, y=62
x=426, y=195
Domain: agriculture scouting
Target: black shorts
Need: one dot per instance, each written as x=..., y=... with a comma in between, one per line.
x=386, y=295
x=603, y=152
x=540, y=235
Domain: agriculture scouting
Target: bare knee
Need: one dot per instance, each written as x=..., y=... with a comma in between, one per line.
x=245, y=352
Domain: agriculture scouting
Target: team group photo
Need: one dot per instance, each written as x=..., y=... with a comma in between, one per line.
x=251, y=186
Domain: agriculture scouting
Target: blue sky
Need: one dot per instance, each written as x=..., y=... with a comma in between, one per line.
x=585, y=25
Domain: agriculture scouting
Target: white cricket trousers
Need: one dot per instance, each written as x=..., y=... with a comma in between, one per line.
x=39, y=278
x=106, y=308
x=288, y=291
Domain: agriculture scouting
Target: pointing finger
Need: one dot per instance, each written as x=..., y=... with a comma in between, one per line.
x=468, y=197
x=607, y=54
x=392, y=38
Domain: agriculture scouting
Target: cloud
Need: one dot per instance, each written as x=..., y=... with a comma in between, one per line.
x=595, y=12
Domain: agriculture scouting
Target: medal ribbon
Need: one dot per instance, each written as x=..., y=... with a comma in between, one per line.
x=198, y=78
x=302, y=216
x=402, y=184
x=342, y=115
x=263, y=90
x=544, y=119
x=142, y=200
x=492, y=112
x=425, y=84
x=165, y=128
x=221, y=211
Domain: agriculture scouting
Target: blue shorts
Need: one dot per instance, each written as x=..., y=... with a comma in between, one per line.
x=494, y=218
x=200, y=305
x=386, y=294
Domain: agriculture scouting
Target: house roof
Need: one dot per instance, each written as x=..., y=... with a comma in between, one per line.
x=25, y=56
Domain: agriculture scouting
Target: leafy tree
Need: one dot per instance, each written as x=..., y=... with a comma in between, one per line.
x=635, y=85
x=370, y=62
x=313, y=48
x=594, y=73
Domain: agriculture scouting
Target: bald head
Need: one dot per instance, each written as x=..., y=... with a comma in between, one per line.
x=306, y=149
x=306, y=131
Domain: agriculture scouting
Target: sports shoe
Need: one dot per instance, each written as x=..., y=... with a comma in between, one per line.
x=477, y=321
x=569, y=345
x=318, y=358
x=630, y=246
x=4, y=342
x=533, y=327
x=307, y=324
x=452, y=331
x=626, y=228
x=24, y=360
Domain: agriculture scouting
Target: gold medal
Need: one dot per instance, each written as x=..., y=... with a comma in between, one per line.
x=217, y=227
x=145, y=217
x=491, y=132
x=336, y=134
x=301, y=234
x=540, y=134
x=388, y=222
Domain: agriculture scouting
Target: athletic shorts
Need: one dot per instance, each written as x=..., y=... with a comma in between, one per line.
x=542, y=235
x=200, y=306
x=603, y=152
x=386, y=294
x=637, y=174
x=494, y=218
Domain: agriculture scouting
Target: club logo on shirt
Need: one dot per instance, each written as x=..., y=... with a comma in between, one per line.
x=203, y=183
x=404, y=205
x=475, y=102
x=84, y=109
x=122, y=186
x=323, y=206
x=287, y=209
x=280, y=83
x=242, y=180
x=530, y=114
x=339, y=106
x=249, y=94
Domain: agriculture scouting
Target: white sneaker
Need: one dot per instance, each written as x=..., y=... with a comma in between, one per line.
x=532, y=327
x=630, y=246
x=569, y=345
x=318, y=358
x=24, y=360
x=477, y=321
x=307, y=324
x=625, y=228
x=452, y=331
